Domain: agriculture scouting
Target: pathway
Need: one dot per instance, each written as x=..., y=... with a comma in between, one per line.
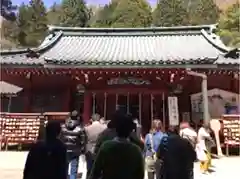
x=12, y=163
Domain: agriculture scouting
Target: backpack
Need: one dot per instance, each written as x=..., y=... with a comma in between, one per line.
x=191, y=139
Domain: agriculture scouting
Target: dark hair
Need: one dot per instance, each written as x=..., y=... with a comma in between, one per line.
x=76, y=116
x=124, y=125
x=173, y=130
x=111, y=124
x=96, y=117
x=45, y=118
x=53, y=129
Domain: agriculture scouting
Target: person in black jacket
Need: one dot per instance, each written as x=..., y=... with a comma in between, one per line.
x=74, y=136
x=47, y=158
x=110, y=133
x=138, y=128
x=41, y=132
x=175, y=164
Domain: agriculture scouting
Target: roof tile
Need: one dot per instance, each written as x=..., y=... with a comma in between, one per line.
x=227, y=61
x=132, y=48
x=93, y=46
x=20, y=59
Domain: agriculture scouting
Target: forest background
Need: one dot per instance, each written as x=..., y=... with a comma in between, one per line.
x=26, y=25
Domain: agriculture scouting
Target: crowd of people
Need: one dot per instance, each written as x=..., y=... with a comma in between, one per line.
x=116, y=149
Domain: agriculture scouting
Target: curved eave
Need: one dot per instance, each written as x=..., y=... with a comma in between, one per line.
x=51, y=42
x=220, y=46
x=14, y=65
x=159, y=66
x=129, y=63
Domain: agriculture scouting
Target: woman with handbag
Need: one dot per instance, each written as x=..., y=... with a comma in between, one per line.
x=152, y=142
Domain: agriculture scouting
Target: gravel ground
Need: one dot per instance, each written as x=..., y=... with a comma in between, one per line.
x=12, y=163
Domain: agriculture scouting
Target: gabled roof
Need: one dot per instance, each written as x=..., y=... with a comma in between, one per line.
x=126, y=46
x=8, y=89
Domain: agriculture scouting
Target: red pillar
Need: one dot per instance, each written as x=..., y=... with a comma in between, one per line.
x=87, y=107
x=100, y=103
x=29, y=95
x=27, y=101
x=146, y=113
x=66, y=106
x=111, y=106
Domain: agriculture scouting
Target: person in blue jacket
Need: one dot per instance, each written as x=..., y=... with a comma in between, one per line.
x=152, y=142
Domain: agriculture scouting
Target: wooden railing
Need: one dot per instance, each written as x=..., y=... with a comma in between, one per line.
x=231, y=131
x=23, y=128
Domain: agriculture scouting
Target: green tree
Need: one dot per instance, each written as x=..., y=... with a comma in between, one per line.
x=170, y=13
x=23, y=23
x=95, y=11
x=229, y=26
x=8, y=25
x=32, y=23
x=74, y=13
x=54, y=13
x=203, y=12
x=9, y=31
x=38, y=24
x=8, y=10
x=132, y=13
x=104, y=18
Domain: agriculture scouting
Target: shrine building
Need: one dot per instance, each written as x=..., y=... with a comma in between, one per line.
x=99, y=70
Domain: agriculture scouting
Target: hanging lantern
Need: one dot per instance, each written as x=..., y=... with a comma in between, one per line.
x=80, y=88
x=178, y=89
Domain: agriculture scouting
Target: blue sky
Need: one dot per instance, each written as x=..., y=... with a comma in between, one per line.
x=48, y=3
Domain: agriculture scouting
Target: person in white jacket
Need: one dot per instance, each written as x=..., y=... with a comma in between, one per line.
x=201, y=149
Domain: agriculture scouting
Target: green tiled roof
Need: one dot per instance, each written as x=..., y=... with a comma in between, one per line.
x=131, y=46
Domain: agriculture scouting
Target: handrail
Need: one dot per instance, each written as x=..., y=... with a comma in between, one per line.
x=33, y=114
x=20, y=114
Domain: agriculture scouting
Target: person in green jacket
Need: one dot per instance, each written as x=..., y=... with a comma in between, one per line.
x=119, y=158
x=110, y=133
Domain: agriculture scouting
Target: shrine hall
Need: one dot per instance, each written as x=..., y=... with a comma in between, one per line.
x=99, y=70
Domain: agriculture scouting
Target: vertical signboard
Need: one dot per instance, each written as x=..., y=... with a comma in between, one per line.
x=173, y=111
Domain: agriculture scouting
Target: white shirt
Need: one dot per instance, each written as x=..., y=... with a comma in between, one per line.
x=188, y=132
x=202, y=134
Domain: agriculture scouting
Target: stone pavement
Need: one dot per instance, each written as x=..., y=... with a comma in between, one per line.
x=12, y=163
x=224, y=168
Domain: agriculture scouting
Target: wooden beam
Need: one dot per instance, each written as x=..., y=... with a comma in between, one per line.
x=126, y=90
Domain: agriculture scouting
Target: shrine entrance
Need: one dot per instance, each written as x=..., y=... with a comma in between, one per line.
x=143, y=106
x=129, y=104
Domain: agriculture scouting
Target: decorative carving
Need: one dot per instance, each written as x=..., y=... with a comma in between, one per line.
x=32, y=54
x=128, y=80
x=80, y=88
x=235, y=53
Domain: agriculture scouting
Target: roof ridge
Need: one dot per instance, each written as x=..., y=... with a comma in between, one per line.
x=13, y=52
x=143, y=29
